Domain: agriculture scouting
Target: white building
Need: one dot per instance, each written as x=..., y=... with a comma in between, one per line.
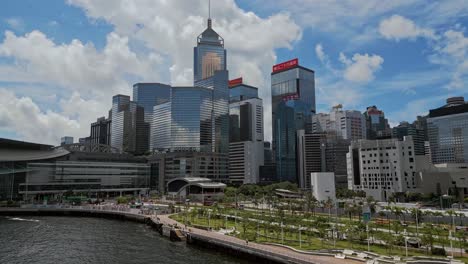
x=382, y=167
x=348, y=124
x=323, y=185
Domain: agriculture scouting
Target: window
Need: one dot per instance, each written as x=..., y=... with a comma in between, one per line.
x=411, y=159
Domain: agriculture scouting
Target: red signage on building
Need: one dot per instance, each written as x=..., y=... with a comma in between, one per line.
x=235, y=82
x=286, y=65
x=290, y=97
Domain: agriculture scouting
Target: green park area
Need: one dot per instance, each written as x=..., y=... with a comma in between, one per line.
x=308, y=224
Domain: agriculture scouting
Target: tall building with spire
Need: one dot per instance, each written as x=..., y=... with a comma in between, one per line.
x=210, y=72
x=190, y=132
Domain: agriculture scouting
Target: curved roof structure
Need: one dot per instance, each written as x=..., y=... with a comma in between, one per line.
x=15, y=150
x=179, y=184
x=30, y=155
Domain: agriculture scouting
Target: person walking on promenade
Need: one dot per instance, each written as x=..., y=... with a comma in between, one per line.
x=247, y=242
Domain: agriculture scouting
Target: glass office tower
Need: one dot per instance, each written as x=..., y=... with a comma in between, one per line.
x=209, y=54
x=148, y=95
x=447, y=129
x=184, y=123
x=293, y=104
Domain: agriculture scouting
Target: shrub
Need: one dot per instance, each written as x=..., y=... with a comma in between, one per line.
x=438, y=251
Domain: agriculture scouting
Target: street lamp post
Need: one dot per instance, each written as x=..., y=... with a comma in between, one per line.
x=282, y=233
x=450, y=238
x=300, y=240
x=368, y=240
x=209, y=216
x=406, y=242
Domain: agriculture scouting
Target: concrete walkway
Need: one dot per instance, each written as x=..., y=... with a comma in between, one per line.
x=284, y=252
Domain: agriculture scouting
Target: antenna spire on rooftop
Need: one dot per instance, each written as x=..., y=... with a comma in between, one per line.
x=209, y=13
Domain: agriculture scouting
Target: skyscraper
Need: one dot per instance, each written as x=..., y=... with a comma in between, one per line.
x=448, y=132
x=293, y=104
x=148, y=95
x=126, y=126
x=210, y=72
x=101, y=131
x=193, y=126
x=246, y=147
x=376, y=124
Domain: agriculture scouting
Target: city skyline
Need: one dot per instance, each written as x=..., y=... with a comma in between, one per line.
x=60, y=69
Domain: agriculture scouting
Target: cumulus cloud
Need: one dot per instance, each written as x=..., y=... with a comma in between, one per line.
x=452, y=52
x=23, y=116
x=151, y=41
x=90, y=76
x=361, y=68
x=397, y=27
x=170, y=28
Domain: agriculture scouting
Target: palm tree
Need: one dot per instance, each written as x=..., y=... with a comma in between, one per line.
x=311, y=202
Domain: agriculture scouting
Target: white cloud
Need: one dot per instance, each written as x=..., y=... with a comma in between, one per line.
x=15, y=23
x=452, y=52
x=319, y=52
x=397, y=27
x=151, y=41
x=361, y=68
x=24, y=117
x=89, y=75
x=170, y=28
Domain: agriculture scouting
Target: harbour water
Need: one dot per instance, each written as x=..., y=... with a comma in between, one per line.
x=68, y=240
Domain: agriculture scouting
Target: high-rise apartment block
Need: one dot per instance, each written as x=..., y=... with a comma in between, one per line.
x=448, y=132
x=346, y=124
x=293, y=103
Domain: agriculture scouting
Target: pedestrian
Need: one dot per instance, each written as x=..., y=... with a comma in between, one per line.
x=247, y=242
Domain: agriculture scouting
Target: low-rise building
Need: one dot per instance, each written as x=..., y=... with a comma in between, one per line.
x=323, y=185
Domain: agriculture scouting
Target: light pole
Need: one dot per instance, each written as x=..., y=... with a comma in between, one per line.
x=300, y=241
x=368, y=240
x=282, y=233
x=450, y=238
x=406, y=242
x=209, y=216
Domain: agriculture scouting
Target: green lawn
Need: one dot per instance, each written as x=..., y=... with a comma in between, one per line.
x=271, y=233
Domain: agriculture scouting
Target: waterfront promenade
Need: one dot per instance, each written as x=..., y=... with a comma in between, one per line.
x=276, y=251
x=279, y=253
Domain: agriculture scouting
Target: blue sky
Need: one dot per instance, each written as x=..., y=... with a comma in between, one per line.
x=61, y=61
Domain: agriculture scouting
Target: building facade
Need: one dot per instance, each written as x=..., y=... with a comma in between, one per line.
x=376, y=124
x=92, y=178
x=293, y=104
x=66, y=140
x=382, y=168
x=246, y=148
x=448, y=132
x=129, y=131
x=101, y=131
x=347, y=124
x=185, y=122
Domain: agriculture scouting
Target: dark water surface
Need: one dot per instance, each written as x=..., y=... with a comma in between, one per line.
x=90, y=240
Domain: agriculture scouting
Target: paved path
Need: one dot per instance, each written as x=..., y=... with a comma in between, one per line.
x=260, y=247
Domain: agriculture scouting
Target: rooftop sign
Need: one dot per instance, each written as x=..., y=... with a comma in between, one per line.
x=286, y=65
x=235, y=82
